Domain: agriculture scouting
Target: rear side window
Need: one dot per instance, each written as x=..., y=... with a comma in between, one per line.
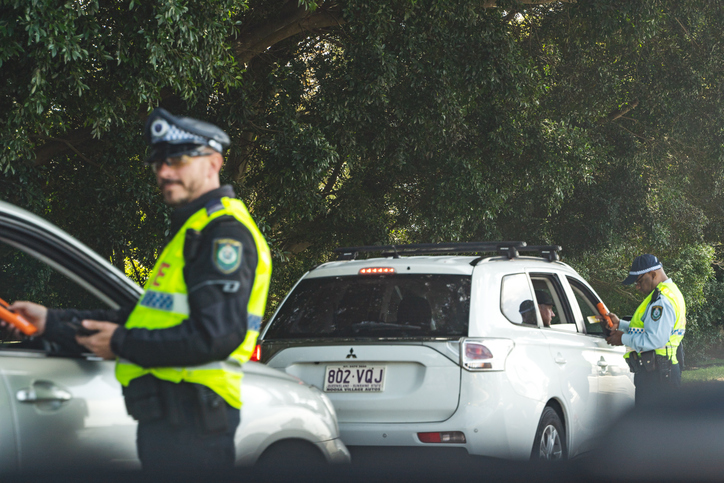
x=516, y=300
x=396, y=306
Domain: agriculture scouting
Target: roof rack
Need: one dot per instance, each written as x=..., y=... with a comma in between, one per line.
x=549, y=252
x=511, y=249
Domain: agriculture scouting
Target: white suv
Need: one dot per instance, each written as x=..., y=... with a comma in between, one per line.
x=423, y=348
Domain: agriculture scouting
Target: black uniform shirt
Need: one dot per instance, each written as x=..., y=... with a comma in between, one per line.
x=217, y=301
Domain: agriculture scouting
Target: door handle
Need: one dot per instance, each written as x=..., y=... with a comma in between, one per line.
x=602, y=363
x=41, y=392
x=560, y=359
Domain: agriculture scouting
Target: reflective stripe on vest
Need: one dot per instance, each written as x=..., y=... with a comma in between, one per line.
x=165, y=304
x=673, y=295
x=175, y=303
x=642, y=331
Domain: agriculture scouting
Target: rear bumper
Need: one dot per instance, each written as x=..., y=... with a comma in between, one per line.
x=496, y=420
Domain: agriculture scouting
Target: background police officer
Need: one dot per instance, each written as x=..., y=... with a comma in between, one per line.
x=179, y=349
x=654, y=332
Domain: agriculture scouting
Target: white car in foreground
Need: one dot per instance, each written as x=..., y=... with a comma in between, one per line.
x=448, y=351
x=62, y=412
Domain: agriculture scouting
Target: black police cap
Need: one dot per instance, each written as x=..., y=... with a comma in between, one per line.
x=170, y=135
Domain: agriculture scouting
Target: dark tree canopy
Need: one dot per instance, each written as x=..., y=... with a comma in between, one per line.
x=596, y=125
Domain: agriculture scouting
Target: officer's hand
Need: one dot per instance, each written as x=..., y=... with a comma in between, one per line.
x=36, y=314
x=615, y=338
x=100, y=343
x=614, y=320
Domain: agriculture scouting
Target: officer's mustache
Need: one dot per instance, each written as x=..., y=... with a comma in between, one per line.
x=164, y=182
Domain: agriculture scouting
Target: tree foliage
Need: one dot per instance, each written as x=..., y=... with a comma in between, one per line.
x=595, y=125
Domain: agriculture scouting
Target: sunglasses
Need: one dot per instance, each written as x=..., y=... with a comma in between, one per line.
x=176, y=161
x=640, y=279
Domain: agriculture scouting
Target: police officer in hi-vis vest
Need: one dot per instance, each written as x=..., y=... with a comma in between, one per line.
x=179, y=349
x=655, y=331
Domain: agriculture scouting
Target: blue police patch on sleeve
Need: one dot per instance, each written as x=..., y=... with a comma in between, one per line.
x=656, y=312
x=253, y=322
x=227, y=254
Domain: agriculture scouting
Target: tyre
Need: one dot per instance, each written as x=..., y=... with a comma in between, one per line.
x=550, y=438
x=292, y=452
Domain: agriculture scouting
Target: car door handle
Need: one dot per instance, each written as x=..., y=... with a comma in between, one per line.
x=43, y=391
x=560, y=359
x=602, y=363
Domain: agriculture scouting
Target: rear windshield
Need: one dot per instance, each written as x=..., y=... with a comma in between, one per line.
x=395, y=306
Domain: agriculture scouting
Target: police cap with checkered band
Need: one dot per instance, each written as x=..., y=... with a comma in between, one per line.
x=170, y=135
x=642, y=264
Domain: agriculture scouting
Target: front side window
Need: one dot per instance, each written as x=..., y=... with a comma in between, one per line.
x=516, y=300
x=380, y=306
x=586, y=302
x=24, y=277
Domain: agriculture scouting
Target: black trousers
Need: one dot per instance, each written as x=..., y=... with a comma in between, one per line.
x=651, y=387
x=181, y=443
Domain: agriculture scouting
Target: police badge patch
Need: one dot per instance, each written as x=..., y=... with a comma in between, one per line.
x=656, y=312
x=227, y=254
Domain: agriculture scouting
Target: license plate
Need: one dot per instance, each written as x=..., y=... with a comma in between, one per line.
x=354, y=378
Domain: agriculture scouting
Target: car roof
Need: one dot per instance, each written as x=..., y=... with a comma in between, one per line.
x=10, y=211
x=435, y=264
x=15, y=215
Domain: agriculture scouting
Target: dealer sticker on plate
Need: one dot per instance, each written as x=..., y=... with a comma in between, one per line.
x=354, y=378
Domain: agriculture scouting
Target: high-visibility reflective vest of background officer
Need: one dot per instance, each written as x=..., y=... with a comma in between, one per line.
x=654, y=332
x=179, y=349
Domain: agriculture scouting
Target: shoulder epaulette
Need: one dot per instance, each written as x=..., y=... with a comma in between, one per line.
x=213, y=206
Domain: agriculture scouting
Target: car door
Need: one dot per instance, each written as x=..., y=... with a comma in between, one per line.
x=65, y=412
x=616, y=389
x=58, y=410
x=575, y=357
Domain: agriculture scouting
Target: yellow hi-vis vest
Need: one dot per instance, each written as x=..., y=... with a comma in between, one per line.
x=165, y=304
x=673, y=295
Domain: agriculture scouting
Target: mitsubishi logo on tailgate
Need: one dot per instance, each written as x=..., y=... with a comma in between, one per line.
x=351, y=354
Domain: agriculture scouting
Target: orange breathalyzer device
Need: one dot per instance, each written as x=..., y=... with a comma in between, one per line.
x=604, y=312
x=17, y=320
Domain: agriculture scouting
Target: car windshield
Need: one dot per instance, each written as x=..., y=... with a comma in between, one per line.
x=386, y=306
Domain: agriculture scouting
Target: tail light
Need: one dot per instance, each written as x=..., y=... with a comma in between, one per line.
x=256, y=354
x=443, y=437
x=485, y=354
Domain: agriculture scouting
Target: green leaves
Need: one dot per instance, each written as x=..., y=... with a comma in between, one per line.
x=594, y=125
x=84, y=63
